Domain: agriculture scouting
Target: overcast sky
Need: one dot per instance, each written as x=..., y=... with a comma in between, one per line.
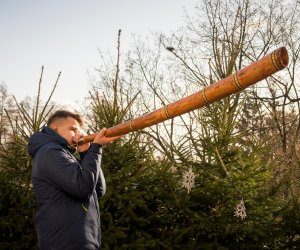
x=65, y=35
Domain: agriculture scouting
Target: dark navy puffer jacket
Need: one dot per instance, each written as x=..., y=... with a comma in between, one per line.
x=67, y=192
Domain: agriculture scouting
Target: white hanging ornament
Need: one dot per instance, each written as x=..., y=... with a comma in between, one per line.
x=240, y=210
x=188, y=180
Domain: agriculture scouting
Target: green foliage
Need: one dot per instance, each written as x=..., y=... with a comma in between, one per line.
x=17, y=202
x=146, y=207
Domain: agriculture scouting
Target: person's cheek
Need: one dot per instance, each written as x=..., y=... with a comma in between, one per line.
x=73, y=136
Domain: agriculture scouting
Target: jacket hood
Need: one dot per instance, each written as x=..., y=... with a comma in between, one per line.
x=40, y=138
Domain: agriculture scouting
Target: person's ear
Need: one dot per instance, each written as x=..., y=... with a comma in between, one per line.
x=54, y=127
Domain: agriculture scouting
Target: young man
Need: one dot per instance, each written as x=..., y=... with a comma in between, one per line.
x=67, y=189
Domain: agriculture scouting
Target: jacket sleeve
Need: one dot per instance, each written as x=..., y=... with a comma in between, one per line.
x=77, y=179
x=101, y=184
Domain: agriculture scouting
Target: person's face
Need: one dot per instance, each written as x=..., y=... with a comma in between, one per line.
x=69, y=129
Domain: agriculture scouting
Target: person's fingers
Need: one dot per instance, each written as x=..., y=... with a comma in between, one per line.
x=115, y=138
x=102, y=132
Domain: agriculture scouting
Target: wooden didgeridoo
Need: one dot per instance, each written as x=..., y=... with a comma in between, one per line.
x=255, y=72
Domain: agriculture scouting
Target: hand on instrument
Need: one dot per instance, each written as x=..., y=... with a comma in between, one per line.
x=102, y=139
